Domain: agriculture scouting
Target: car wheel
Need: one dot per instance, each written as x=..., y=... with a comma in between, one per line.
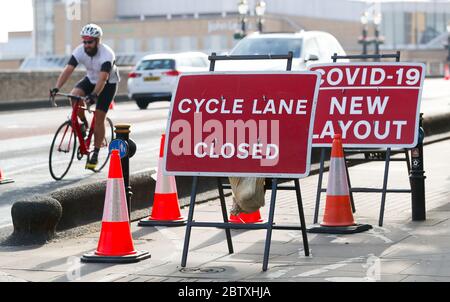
x=142, y=103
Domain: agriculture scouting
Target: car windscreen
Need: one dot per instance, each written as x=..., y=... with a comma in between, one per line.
x=265, y=46
x=156, y=64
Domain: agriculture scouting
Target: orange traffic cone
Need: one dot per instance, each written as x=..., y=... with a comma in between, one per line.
x=3, y=179
x=115, y=244
x=254, y=217
x=446, y=72
x=112, y=105
x=338, y=216
x=166, y=209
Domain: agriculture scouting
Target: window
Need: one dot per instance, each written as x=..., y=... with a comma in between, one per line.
x=156, y=64
x=328, y=46
x=128, y=46
x=158, y=44
x=312, y=48
x=265, y=46
x=185, y=43
x=215, y=43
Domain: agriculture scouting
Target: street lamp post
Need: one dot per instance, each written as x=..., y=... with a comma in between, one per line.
x=243, y=11
x=363, y=40
x=378, y=40
x=260, y=9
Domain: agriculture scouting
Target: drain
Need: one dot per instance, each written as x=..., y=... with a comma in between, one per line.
x=202, y=270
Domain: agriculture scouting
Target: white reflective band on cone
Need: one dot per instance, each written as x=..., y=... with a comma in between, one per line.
x=164, y=183
x=115, y=208
x=337, y=178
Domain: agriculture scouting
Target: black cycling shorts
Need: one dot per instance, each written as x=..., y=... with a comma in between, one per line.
x=106, y=96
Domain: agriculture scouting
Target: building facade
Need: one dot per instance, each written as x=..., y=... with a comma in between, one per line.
x=417, y=28
x=18, y=47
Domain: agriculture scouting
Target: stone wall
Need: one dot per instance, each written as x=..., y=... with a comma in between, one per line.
x=35, y=85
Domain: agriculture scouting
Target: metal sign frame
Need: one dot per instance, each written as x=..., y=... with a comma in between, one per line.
x=382, y=154
x=270, y=184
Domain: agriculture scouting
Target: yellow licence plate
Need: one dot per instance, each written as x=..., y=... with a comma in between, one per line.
x=147, y=79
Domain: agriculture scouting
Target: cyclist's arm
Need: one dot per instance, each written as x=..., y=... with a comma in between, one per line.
x=102, y=78
x=66, y=73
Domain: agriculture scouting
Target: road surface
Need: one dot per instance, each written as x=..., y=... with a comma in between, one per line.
x=25, y=143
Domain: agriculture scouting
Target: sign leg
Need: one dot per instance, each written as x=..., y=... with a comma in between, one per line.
x=385, y=181
x=319, y=186
x=302, y=217
x=225, y=215
x=352, y=201
x=187, y=237
x=270, y=224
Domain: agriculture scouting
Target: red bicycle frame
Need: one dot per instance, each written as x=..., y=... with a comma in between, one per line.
x=84, y=144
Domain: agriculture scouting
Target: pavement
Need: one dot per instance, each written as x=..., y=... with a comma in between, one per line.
x=26, y=137
x=401, y=250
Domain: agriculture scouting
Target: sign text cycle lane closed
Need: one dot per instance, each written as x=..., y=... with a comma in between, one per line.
x=370, y=104
x=242, y=124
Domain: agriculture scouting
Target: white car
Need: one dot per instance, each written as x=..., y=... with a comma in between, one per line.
x=308, y=47
x=154, y=76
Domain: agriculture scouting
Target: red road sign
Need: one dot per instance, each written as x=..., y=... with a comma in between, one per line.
x=242, y=124
x=370, y=104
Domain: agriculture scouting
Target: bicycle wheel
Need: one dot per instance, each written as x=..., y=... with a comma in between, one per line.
x=103, y=155
x=62, y=151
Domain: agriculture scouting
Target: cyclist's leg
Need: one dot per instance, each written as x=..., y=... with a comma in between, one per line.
x=99, y=131
x=104, y=100
x=78, y=92
x=82, y=88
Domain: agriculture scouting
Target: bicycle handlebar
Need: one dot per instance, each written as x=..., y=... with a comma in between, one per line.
x=70, y=96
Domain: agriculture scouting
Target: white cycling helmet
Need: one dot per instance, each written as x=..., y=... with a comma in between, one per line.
x=91, y=30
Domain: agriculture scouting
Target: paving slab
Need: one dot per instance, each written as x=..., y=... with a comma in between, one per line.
x=426, y=279
x=400, y=250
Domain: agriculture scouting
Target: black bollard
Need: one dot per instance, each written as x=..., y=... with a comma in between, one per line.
x=417, y=178
x=123, y=133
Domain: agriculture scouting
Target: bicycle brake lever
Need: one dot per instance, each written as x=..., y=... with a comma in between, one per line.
x=52, y=102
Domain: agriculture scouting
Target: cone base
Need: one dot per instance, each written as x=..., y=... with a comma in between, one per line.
x=236, y=220
x=170, y=223
x=6, y=181
x=94, y=258
x=357, y=228
x=246, y=218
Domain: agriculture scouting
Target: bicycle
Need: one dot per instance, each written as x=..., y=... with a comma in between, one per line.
x=62, y=150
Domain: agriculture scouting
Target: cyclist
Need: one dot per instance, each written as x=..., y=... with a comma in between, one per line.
x=98, y=86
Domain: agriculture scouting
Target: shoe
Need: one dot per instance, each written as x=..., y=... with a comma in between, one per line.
x=92, y=161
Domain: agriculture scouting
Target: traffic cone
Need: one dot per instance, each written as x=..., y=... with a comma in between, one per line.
x=166, y=209
x=112, y=105
x=115, y=244
x=338, y=216
x=254, y=217
x=3, y=179
x=446, y=72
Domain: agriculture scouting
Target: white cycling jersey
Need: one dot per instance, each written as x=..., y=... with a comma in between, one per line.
x=96, y=63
